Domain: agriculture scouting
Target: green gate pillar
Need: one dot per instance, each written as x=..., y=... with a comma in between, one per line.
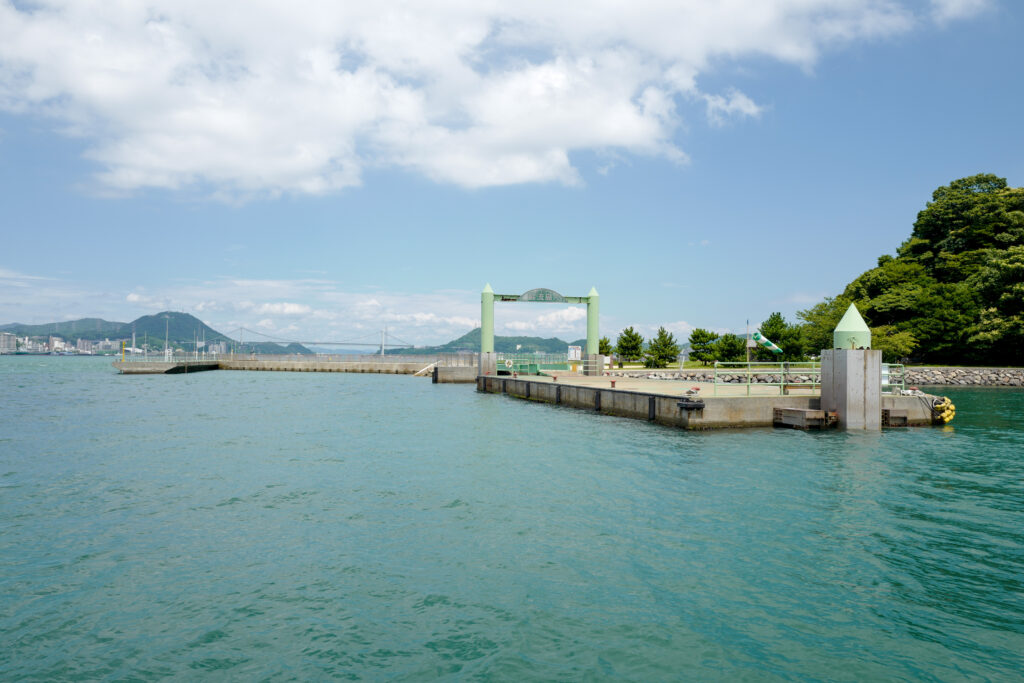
x=487, y=320
x=592, y=315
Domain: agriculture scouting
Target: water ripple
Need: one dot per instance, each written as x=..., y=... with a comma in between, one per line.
x=304, y=526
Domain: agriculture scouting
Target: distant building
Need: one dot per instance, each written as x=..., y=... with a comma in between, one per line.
x=84, y=345
x=8, y=343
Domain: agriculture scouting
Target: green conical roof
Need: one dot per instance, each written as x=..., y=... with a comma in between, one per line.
x=852, y=332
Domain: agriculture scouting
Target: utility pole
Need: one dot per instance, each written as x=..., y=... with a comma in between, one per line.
x=167, y=329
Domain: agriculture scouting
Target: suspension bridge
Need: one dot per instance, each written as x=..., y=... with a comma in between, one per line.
x=383, y=342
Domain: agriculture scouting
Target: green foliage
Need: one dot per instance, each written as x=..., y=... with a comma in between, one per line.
x=978, y=212
x=954, y=291
x=789, y=338
x=604, y=346
x=999, y=330
x=630, y=344
x=702, y=345
x=661, y=350
x=895, y=345
x=471, y=342
x=730, y=347
x=820, y=322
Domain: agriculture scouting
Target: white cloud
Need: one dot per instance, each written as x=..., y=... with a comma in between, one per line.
x=283, y=308
x=264, y=98
x=680, y=328
x=950, y=10
x=561, y=320
x=735, y=104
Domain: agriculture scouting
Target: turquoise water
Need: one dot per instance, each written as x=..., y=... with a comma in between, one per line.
x=307, y=526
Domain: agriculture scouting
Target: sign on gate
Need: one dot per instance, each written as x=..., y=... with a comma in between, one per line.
x=575, y=353
x=545, y=295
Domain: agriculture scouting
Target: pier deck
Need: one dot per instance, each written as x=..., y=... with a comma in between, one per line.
x=658, y=400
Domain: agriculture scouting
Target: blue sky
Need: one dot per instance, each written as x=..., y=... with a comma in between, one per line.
x=320, y=173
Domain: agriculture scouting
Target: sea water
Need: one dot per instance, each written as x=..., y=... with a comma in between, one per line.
x=297, y=526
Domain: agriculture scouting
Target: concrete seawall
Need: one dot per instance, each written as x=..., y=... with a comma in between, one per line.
x=165, y=368
x=176, y=367
x=718, y=413
x=314, y=366
x=960, y=376
x=949, y=376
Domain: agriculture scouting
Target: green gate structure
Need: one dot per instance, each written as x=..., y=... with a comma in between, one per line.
x=488, y=297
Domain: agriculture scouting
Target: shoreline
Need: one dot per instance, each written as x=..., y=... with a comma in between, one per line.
x=917, y=376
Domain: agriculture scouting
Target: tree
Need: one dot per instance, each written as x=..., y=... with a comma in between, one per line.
x=702, y=345
x=820, y=322
x=969, y=214
x=604, y=346
x=630, y=344
x=952, y=293
x=787, y=337
x=661, y=350
x=730, y=347
x=1000, y=327
x=895, y=345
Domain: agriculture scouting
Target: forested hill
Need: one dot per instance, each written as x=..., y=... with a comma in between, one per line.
x=471, y=342
x=954, y=291
x=182, y=329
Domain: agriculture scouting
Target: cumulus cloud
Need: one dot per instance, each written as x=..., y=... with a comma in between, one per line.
x=260, y=97
x=284, y=308
x=560, y=320
x=949, y=10
x=733, y=105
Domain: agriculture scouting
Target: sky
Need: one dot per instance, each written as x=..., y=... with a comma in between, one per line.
x=318, y=171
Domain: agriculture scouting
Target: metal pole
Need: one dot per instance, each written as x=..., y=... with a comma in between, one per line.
x=487, y=320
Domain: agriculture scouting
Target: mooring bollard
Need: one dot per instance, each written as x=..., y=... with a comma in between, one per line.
x=554, y=378
x=613, y=384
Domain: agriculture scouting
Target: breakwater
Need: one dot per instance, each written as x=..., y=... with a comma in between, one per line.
x=950, y=376
x=724, y=376
x=282, y=364
x=977, y=377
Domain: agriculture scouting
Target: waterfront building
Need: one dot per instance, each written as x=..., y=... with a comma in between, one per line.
x=8, y=342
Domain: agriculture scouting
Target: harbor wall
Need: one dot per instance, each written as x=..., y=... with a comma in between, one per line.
x=324, y=366
x=176, y=367
x=454, y=375
x=961, y=376
x=718, y=413
x=949, y=376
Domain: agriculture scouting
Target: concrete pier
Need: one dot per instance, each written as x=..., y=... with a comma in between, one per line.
x=664, y=408
x=165, y=367
x=284, y=365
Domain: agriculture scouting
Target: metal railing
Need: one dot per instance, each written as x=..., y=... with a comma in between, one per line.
x=785, y=376
x=795, y=375
x=894, y=378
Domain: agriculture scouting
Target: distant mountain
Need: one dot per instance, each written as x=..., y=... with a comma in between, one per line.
x=471, y=342
x=84, y=328
x=181, y=329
